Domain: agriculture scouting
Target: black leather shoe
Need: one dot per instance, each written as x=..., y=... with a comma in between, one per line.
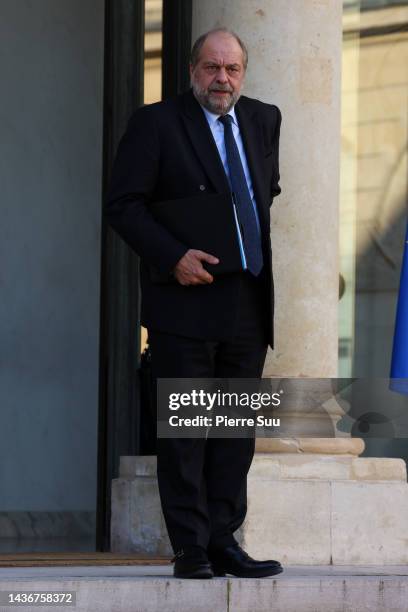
x=192, y=563
x=233, y=560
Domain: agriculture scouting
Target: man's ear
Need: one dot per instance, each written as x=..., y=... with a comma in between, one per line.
x=191, y=69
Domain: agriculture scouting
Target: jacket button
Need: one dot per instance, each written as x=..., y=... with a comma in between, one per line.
x=202, y=187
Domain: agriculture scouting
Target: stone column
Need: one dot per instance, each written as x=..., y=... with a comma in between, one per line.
x=295, y=62
x=308, y=498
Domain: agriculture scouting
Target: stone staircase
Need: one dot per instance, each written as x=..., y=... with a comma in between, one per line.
x=153, y=589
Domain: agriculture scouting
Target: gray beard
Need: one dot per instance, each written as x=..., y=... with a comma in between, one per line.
x=211, y=103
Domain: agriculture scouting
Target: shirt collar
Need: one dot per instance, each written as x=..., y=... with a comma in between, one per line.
x=212, y=118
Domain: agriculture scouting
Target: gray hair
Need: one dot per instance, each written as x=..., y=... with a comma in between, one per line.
x=195, y=51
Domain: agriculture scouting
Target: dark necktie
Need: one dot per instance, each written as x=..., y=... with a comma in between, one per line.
x=245, y=210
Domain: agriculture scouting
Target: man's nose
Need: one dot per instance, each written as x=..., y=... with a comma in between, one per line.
x=222, y=75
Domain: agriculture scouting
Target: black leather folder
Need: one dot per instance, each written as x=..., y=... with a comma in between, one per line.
x=204, y=222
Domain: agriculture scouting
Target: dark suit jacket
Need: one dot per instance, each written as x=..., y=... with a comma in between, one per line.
x=167, y=153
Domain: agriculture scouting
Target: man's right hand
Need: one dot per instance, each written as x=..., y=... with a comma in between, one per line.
x=190, y=271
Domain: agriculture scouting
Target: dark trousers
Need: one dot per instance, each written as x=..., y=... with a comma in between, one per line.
x=202, y=482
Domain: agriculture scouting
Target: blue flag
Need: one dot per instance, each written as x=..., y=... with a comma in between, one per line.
x=399, y=364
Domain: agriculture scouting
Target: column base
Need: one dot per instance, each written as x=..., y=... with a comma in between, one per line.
x=306, y=509
x=326, y=446
x=326, y=509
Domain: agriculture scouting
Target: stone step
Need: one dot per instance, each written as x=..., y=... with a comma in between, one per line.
x=153, y=589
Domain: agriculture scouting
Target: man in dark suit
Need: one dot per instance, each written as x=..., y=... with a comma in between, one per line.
x=200, y=324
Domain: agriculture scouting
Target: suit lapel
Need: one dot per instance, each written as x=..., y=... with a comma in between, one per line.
x=203, y=143
x=251, y=132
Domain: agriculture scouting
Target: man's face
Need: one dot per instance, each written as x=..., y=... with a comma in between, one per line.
x=218, y=76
